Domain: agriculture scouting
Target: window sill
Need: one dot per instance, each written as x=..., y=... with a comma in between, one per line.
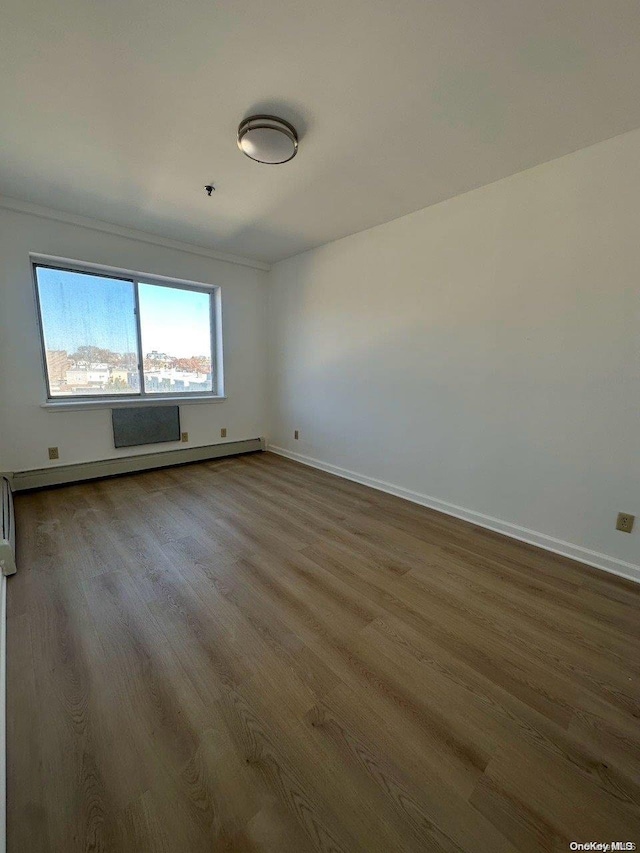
x=160, y=400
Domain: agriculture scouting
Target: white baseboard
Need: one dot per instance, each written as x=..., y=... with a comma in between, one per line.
x=523, y=534
x=57, y=475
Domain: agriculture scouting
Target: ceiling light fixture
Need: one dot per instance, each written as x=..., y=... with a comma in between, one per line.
x=267, y=139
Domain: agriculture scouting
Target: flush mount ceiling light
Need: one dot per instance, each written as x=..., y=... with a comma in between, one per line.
x=267, y=139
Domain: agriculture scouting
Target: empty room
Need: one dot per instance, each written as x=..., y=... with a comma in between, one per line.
x=319, y=426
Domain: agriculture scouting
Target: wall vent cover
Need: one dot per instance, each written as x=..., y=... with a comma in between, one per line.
x=145, y=425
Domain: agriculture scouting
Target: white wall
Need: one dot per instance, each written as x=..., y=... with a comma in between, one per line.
x=483, y=352
x=27, y=430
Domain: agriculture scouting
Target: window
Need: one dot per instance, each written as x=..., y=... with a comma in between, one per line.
x=120, y=336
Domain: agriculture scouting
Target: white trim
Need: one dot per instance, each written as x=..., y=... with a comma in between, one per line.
x=18, y=206
x=3, y=714
x=514, y=531
x=57, y=475
x=108, y=270
x=65, y=405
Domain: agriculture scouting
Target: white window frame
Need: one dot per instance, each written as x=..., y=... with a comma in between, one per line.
x=93, y=401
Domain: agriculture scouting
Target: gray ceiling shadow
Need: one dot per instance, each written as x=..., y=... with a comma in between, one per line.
x=295, y=114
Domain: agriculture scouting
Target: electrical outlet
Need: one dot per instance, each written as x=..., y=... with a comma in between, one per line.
x=223, y=432
x=296, y=434
x=625, y=522
x=53, y=453
x=184, y=436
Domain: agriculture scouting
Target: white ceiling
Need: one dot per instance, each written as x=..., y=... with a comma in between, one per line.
x=123, y=109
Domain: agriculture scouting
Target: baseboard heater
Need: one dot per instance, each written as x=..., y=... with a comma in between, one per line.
x=7, y=530
x=60, y=474
x=8, y=565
